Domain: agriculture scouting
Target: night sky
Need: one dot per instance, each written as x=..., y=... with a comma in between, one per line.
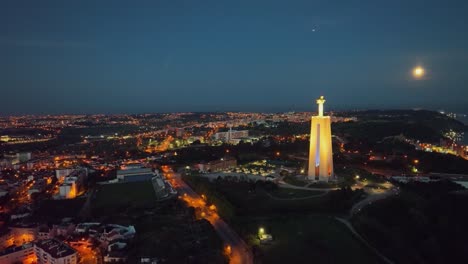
x=169, y=55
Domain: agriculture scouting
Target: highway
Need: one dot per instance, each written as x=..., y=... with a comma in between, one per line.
x=237, y=250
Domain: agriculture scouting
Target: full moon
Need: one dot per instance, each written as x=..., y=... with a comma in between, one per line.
x=418, y=72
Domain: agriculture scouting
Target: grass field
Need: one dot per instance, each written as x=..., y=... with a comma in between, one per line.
x=112, y=198
x=305, y=239
x=259, y=202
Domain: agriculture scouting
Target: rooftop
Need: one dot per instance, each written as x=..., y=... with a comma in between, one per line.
x=10, y=250
x=55, y=248
x=134, y=171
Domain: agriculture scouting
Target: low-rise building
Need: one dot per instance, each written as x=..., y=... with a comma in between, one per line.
x=218, y=165
x=82, y=228
x=135, y=174
x=20, y=254
x=113, y=232
x=115, y=257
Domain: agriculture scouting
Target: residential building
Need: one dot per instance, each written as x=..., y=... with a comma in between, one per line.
x=52, y=251
x=20, y=254
x=73, y=184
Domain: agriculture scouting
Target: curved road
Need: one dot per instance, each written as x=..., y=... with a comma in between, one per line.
x=240, y=251
x=372, y=198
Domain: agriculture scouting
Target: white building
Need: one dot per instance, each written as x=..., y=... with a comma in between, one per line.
x=63, y=172
x=73, y=183
x=51, y=251
x=66, y=191
x=84, y=227
x=230, y=135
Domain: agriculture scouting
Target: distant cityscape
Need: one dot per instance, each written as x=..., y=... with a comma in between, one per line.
x=92, y=188
x=233, y=132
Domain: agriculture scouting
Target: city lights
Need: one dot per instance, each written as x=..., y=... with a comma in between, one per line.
x=198, y=132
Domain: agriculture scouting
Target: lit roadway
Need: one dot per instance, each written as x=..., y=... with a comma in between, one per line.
x=87, y=254
x=238, y=251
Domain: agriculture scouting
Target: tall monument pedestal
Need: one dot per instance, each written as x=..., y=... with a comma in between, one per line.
x=320, y=149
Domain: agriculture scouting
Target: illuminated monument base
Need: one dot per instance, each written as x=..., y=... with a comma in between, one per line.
x=320, y=150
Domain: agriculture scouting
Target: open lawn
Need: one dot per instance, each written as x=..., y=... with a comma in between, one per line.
x=112, y=198
x=260, y=201
x=305, y=239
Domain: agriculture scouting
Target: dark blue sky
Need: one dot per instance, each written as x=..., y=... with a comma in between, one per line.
x=169, y=55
